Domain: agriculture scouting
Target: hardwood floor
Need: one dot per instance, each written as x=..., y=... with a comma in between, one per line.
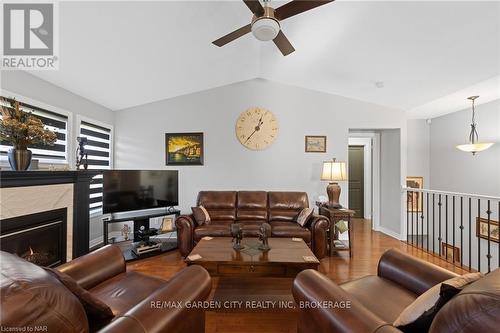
x=368, y=246
x=367, y=249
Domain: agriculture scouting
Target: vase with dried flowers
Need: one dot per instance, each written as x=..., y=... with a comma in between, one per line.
x=21, y=129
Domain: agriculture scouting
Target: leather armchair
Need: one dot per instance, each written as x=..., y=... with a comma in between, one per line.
x=251, y=209
x=376, y=301
x=33, y=297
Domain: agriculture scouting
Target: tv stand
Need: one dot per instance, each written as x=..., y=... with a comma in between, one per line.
x=140, y=220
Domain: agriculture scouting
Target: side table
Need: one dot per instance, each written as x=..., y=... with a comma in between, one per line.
x=335, y=215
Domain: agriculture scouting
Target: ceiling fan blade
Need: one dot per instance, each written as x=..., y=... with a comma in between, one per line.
x=233, y=35
x=295, y=7
x=283, y=44
x=254, y=6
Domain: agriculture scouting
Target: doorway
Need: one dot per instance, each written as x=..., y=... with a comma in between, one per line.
x=357, y=180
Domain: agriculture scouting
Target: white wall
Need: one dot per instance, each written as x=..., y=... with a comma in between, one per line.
x=140, y=132
x=418, y=152
x=457, y=171
x=390, y=182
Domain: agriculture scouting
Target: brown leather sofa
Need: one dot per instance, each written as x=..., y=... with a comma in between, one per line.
x=33, y=297
x=251, y=209
x=376, y=301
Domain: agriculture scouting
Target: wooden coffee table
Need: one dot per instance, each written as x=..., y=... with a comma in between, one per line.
x=284, y=259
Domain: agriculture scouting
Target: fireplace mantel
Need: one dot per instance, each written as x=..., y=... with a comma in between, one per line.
x=81, y=186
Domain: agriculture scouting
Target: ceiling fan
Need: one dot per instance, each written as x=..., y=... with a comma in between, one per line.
x=265, y=25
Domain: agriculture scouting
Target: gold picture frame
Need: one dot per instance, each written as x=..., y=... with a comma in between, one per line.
x=414, y=203
x=184, y=148
x=315, y=144
x=167, y=225
x=482, y=229
x=450, y=253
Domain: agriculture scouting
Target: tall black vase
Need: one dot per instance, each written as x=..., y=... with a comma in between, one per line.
x=19, y=159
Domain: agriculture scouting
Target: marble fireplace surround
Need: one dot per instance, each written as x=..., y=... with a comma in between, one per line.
x=29, y=192
x=19, y=201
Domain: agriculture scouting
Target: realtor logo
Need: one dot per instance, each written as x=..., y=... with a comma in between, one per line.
x=29, y=36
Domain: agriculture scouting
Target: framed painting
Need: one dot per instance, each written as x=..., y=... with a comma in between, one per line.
x=482, y=229
x=414, y=204
x=167, y=225
x=315, y=144
x=450, y=253
x=184, y=148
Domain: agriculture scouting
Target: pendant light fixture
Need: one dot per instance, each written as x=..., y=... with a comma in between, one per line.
x=474, y=146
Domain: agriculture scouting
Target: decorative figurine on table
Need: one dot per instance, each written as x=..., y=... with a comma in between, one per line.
x=237, y=234
x=125, y=231
x=264, y=234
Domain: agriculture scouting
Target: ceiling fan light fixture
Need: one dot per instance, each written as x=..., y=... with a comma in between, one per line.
x=265, y=28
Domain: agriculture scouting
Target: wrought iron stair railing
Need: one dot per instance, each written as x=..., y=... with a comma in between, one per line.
x=461, y=228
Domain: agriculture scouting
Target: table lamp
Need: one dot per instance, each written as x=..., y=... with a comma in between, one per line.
x=333, y=172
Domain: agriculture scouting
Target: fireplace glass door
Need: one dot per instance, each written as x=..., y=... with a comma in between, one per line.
x=42, y=242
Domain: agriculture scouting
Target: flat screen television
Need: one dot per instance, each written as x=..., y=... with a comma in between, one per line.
x=129, y=190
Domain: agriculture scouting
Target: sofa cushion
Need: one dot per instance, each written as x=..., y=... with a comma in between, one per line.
x=418, y=316
x=126, y=290
x=286, y=206
x=94, y=307
x=475, y=309
x=304, y=216
x=384, y=298
x=289, y=230
x=213, y=230
x=201, y=215
x=252, y=205
x=221, y=205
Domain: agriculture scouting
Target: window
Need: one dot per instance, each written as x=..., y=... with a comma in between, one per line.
x=98, y=148
x=57, y=153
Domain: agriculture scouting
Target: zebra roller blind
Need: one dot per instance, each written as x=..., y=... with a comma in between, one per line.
x=98, y=148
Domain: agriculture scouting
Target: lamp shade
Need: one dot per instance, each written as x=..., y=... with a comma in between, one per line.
x=334, y=171
x=475, y=147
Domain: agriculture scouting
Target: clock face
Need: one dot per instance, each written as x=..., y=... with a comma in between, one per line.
x=257, y=128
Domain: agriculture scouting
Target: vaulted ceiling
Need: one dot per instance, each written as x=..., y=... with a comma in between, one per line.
x=122, y=54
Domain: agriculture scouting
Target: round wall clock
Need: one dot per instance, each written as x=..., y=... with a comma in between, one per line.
x=257, y=128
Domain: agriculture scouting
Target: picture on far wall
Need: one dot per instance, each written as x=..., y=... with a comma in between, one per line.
x=315, y=144
x=414, y=203
x=482, y=229
x=450, y=253
x=184, y=148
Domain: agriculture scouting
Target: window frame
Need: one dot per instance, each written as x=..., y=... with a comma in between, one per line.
x=69, y=160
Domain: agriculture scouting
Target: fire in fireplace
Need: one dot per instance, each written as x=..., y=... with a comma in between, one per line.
x=38, y=258
x=39, y=238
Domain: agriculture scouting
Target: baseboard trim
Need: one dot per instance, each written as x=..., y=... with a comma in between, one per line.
x=390, y=233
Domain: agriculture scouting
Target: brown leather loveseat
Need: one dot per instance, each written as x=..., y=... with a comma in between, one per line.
x=33, y=298
x=377, y=300
x=251, y=209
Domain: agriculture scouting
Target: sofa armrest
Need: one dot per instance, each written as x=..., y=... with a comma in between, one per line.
x=95, y=267
x=167, y=310
x=319, y=227
x=325, y=307
x=185, y=229
x=411, y=273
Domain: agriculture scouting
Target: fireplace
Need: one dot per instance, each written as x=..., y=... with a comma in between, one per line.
x=39, y=238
